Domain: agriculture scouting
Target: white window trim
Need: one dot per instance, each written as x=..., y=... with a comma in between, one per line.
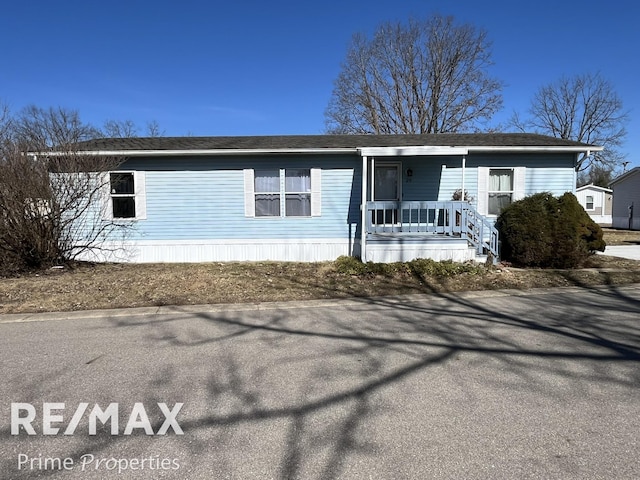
x=250, y=193
x=139, y=195
x=586, y=203
x=518, y=192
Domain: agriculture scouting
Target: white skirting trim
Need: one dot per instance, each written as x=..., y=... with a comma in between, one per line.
x=601, y=219
x=196, y=251
x=438, y=251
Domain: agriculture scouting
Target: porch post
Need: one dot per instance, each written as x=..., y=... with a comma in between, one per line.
x=363, y=218
x=464, y=166
x=373, y=180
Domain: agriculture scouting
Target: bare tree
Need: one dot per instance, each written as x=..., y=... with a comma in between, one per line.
x=153, y=129
x=584, y=108
x=5, y=121
x=599, y=174
x=120, y=129
x=39, y=128
x=128, y=129
x=427, y=76
x=51, y=197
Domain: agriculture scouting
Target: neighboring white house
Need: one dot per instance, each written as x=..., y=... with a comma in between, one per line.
x=598, y=203
x=626, y=200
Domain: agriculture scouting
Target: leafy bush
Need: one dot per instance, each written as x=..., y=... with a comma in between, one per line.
x=546, y=231
x=426, y=267
x=349, y=265
x=421, y=267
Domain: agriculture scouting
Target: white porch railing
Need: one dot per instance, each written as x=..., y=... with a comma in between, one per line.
x=455, y=218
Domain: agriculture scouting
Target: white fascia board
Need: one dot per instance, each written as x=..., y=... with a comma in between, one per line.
x=444, y=150
x=203, y=152
x=363, y=151
x=594, y=187
x=533, y=149
x=411, y=151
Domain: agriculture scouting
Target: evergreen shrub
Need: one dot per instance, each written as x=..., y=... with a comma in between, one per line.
x=548, y=232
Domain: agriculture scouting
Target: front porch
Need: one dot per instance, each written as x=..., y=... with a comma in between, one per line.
x=404, y=230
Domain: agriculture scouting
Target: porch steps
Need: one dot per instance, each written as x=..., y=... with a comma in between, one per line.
x=404, y=247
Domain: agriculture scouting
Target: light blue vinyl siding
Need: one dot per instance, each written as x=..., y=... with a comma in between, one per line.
x=427, y=181
x=197, y=198
x=203, y=198
x=437, y=178
x=551, y=172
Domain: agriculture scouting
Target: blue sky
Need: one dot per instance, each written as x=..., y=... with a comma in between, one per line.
x=267, y=68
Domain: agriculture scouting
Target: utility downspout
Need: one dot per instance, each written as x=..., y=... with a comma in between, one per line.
x=363, y=218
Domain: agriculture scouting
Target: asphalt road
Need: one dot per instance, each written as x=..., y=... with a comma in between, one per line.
x=488, y=385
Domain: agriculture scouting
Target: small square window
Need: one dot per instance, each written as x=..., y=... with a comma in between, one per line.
x=122, y=183
x=124, y=207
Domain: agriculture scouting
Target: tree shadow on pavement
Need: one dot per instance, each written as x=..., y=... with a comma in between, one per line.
x=306, y=392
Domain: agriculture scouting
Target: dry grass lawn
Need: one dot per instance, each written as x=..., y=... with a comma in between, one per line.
x=89, y=286
x=621, y=237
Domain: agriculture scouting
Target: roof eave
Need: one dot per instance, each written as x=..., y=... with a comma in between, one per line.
x=416, y=150
x=547, y=149
x=205, y=152
x=594, y=187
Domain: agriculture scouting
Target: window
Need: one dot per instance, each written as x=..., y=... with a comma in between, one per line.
x=267, y=191
x=297, y=187
x=37, y=207
x=127, y=199
x=500, y=190
x=123, y=197
x=282, y=192
x=589, y=202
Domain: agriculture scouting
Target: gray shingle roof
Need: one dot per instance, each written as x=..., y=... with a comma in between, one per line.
x=294, y=142
x=625, y=176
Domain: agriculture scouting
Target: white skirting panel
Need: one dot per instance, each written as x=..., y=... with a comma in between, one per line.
x=195, y=251
x=384, y=252
x=601, y=219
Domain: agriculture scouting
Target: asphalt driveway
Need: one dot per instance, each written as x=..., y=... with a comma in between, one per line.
x=496, y=385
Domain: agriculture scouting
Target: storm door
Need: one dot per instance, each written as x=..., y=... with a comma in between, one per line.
x=386, y=187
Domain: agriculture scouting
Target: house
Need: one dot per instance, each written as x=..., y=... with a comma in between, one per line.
x=597, y=202
x=315, y=197
x=626, y=200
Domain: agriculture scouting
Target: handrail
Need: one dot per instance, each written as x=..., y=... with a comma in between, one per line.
x=456, y=218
